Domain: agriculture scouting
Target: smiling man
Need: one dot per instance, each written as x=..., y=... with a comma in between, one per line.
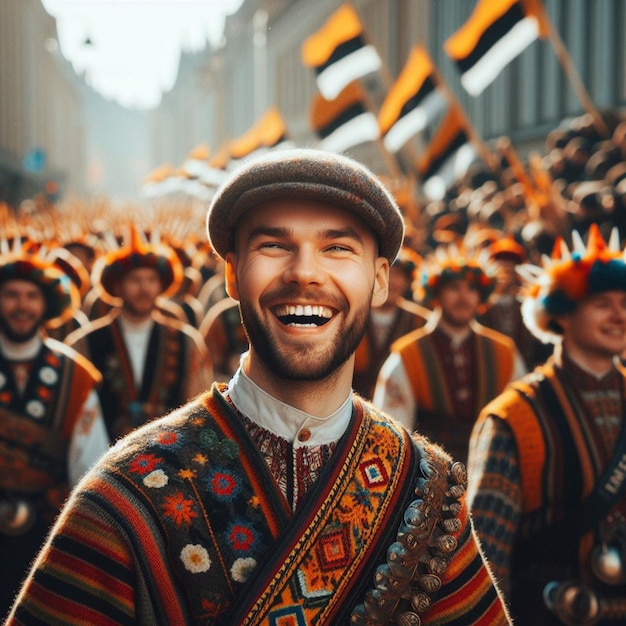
x=546, y=461
x=150, y=363
x=437, y=378
x=282, y=495
x=51, y=426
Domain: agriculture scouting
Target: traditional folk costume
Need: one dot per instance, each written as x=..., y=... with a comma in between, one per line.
x=504, y=313
x=241, y=509
x=546, y=464
x=386, y=324
x=438, y=383
x=383, y=329
x=224, y=336
x=51, y=427
x=147, y=368
x=208, y=517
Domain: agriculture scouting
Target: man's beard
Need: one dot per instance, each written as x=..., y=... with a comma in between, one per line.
x=458, y=319
x=142, y=307
x=299, y=364
x=19, y=336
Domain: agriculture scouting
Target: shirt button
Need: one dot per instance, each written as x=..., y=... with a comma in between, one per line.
x=304, y=435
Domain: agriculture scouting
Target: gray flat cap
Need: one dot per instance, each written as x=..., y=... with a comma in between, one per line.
x=311, y=175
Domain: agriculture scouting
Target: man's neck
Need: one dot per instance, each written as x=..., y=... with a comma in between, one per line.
x=20, y=350
x=455, y=331
x=317, y=398
x=597, y=365
x=134, y=319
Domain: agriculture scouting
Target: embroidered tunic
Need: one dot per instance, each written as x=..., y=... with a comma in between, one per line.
x=183, y=523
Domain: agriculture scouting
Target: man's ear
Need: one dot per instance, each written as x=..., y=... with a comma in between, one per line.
x=231, y=276
x=381, y=282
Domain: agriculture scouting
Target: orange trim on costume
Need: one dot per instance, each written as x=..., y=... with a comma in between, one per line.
x=531, y=448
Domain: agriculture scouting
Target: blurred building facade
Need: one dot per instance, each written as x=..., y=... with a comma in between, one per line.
x=42, y=131
x=221, y=93
x=56, y=131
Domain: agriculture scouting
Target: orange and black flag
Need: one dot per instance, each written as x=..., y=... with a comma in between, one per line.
x=339, y=53
x=448, y=156
x=159, y=181
x=268, y=132
x=197, y=160
x=496, y=32
x=413, y=101
x=343, y=122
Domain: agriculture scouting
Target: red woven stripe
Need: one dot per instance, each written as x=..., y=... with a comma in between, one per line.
x=160, y=573
x=87, y=576
x=69, y=613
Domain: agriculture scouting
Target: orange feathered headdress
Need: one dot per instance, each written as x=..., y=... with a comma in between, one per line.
x=27, y=262
x=111, y=267
x=450, y=263
x=567, y=277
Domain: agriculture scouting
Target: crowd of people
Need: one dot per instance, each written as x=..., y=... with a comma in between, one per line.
x=324, y=410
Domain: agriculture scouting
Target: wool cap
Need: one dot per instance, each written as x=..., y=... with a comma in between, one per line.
x=306, y=174
x=569, y=276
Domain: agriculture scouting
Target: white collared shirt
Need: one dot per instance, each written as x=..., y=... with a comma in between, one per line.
x=284, y=420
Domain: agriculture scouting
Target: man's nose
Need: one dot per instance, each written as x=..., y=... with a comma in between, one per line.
x=305, y=268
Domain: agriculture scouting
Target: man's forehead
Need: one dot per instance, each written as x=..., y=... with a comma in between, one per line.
x=20, y=283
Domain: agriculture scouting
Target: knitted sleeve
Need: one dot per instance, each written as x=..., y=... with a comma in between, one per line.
x=84, y=574
x=494, y=493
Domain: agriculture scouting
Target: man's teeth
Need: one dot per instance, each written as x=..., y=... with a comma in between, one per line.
x=303, y=314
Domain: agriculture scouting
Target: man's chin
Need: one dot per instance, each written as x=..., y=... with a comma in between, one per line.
x=20, y=336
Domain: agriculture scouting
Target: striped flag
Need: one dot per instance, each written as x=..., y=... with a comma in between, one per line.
x=496, y=32
x=339, y=53
x=197, y=159
x=412, y=102
x=343, y=122
x=447, y=157
x=268, y=132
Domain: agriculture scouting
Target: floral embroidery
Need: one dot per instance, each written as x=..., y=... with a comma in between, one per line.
x=187, y=474
x=229, y=449
x=254, y=502
x=180, y=510
x=48, y=376
x=241, y=536
x=44, y=393
x=156, y=479
x=144, y=464
x=223, y=484
x=201, y=459
x=242, y=568
x=168, y=438
x=208, y=439
x=195, y=558
x=35, y=408
x=52, y=359
x=225, y=448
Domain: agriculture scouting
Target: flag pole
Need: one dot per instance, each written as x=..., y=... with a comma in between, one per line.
x=481, y=147
x=571, y=72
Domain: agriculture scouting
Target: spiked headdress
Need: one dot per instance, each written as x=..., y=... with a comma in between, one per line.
x=451, y=263
x=567, y=277
x=19, y=261
x=112, y=266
